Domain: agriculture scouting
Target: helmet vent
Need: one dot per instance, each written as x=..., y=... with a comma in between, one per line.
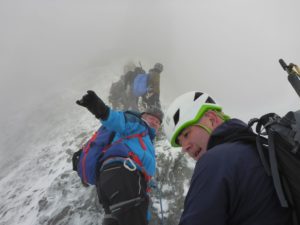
x=210, y=100
x=197, y=95
x=176, y=117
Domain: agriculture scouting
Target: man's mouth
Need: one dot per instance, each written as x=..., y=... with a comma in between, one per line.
x=196, y=154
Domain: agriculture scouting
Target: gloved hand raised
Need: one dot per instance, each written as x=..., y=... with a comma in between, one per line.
x=95, y=105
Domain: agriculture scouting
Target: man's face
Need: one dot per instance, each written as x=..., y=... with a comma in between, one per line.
x=152, y=121
x=194, y=140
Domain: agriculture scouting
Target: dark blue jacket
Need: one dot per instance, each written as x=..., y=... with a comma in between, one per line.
x=230, y=186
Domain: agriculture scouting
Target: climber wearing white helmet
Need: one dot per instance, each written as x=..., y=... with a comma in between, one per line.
x=229, y=184
x=187, y=110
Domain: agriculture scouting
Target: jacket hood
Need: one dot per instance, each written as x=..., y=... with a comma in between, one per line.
x=228, y=131
x=151, y=131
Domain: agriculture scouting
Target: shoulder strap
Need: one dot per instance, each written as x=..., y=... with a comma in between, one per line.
x=247, y=135
x=137, y=135
x=274, y=170
x=266, y=125
x=88, y=145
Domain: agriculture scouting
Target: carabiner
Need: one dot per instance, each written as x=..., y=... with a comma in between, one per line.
x=133, y=168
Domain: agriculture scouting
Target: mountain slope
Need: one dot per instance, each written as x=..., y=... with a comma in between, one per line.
x=39, y=187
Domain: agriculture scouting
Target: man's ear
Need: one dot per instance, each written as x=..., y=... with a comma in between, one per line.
x=213, y=118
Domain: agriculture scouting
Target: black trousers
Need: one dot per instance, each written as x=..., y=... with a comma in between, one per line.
x=123, y=195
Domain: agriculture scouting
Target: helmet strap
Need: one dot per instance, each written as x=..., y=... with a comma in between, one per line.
x=207, y=129
x=222, y=116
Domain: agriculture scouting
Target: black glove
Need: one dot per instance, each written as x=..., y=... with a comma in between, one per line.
x=95, y=105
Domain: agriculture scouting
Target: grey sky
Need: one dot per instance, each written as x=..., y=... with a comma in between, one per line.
x=228, y=48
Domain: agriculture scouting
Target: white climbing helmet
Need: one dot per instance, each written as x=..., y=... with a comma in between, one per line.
x=185, y=111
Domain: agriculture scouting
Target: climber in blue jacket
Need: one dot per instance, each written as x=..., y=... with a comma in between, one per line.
x=128, y=164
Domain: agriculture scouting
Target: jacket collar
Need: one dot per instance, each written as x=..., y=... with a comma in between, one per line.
x=151, y=131
x=228, y=131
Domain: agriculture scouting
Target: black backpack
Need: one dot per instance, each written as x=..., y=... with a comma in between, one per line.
x=278, y=144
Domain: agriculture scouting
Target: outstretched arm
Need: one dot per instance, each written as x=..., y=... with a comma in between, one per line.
x=95, y=105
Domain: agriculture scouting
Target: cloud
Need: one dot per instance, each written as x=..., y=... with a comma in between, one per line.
x=228, y=48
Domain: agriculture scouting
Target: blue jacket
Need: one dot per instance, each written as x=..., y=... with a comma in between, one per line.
x=126, y=124
x=230, y=186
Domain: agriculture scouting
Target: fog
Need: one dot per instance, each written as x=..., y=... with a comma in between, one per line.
x=228, y=48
